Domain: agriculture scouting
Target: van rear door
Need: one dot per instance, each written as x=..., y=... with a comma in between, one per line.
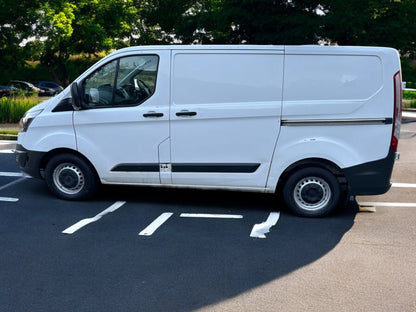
x=225, y=116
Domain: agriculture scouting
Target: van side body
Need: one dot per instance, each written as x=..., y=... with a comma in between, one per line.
x=312, y=121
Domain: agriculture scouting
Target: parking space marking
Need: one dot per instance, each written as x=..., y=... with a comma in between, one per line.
x=259, y=230
x=207, y=215
x=72, y=229
x=12, y=174
x=13, y=183
x=403, y=185
x=152, y=227
x=8, y=199
x=7, y=151
x=384, y=204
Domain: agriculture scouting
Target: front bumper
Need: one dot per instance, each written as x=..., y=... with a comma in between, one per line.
x=29, y=161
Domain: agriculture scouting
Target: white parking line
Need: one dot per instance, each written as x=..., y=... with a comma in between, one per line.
x=259, y=230
x=403, y=185
x=84, y=222
x=383, y=204
x=7, y=151
x=12, y=183
x=207, y=215
x=8, y=199
x=12, y=174
x=152, y=227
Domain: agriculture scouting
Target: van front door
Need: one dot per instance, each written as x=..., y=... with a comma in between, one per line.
x=225, y=116
x=127, y=117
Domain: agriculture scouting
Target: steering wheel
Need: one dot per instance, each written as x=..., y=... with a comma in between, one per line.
x=144, y=87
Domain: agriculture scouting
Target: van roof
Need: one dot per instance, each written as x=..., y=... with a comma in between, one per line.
x=205, y=47
x=310, y=49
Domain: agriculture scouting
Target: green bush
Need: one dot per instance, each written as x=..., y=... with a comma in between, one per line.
x=409, y=95
x=409, y=103
x=13, y=108
x=409, y=99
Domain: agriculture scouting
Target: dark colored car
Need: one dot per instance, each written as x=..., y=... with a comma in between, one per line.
x=25, y=86
x=49, y=88
x=6, y=91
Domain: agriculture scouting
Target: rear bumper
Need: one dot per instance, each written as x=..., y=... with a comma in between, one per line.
x=372, y=178
x=29, y=161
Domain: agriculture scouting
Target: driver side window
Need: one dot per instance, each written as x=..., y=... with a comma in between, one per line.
x=126, y=81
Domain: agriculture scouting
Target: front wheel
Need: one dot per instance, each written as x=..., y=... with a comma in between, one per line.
x=70, y=177
x=312, y=192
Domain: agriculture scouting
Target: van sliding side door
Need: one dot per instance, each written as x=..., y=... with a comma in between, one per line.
x=225, y=116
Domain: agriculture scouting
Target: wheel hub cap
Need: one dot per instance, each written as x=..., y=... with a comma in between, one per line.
x=312, y=193
x=68, y=178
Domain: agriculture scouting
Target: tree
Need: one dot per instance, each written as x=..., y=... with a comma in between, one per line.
x=267, y=22
x=369, y=22
x=16, y=25
x=237, y=21
x=73, y=27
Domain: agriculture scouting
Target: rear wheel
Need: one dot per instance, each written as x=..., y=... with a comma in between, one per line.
x=312, y=192
x=70, y=177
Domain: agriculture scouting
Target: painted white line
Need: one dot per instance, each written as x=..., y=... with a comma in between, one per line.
x=403, y=185
x=207, y=215
x=408, y=114
x=12, y=174
x=12, y=183
x=152, y=227
x=9, y=199
x=4, y=142
x=7, y=151
x=84, y=222
x=381, y=204
x=259, y=230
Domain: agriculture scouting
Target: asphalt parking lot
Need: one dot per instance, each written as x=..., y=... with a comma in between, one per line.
x=142, y=249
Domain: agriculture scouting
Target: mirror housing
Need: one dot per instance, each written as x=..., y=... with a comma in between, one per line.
x=76, y=94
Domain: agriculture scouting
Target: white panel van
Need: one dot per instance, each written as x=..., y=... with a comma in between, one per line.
x=314, y=123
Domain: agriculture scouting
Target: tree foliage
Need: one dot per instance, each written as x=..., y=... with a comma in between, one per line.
x=50, y=31
x=16, y=20
x=369, y=22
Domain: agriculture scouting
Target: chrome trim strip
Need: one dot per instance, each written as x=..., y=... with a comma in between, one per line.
x=337, y=122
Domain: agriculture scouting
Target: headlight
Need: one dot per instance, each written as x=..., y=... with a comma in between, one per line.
x=27, y=119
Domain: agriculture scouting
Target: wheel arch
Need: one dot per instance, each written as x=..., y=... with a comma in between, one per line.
x=312, y=162
x=59, y=151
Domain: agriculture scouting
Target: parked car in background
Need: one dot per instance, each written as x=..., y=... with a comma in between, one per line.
x=6, y=91
x=49, y=88
x=25, y=86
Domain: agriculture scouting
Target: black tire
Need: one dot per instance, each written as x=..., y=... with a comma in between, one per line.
x=70, y=177
x=312, y=192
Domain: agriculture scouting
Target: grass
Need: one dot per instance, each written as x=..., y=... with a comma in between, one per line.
x=13, y=108
x=10, y=132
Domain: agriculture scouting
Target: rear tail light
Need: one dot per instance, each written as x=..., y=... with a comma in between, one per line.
x=397, y=118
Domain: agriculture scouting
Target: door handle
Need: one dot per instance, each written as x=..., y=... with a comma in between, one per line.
x=185, y=113
x=153, y=114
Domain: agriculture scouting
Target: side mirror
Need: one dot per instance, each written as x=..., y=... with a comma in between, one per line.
x=77, y=100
